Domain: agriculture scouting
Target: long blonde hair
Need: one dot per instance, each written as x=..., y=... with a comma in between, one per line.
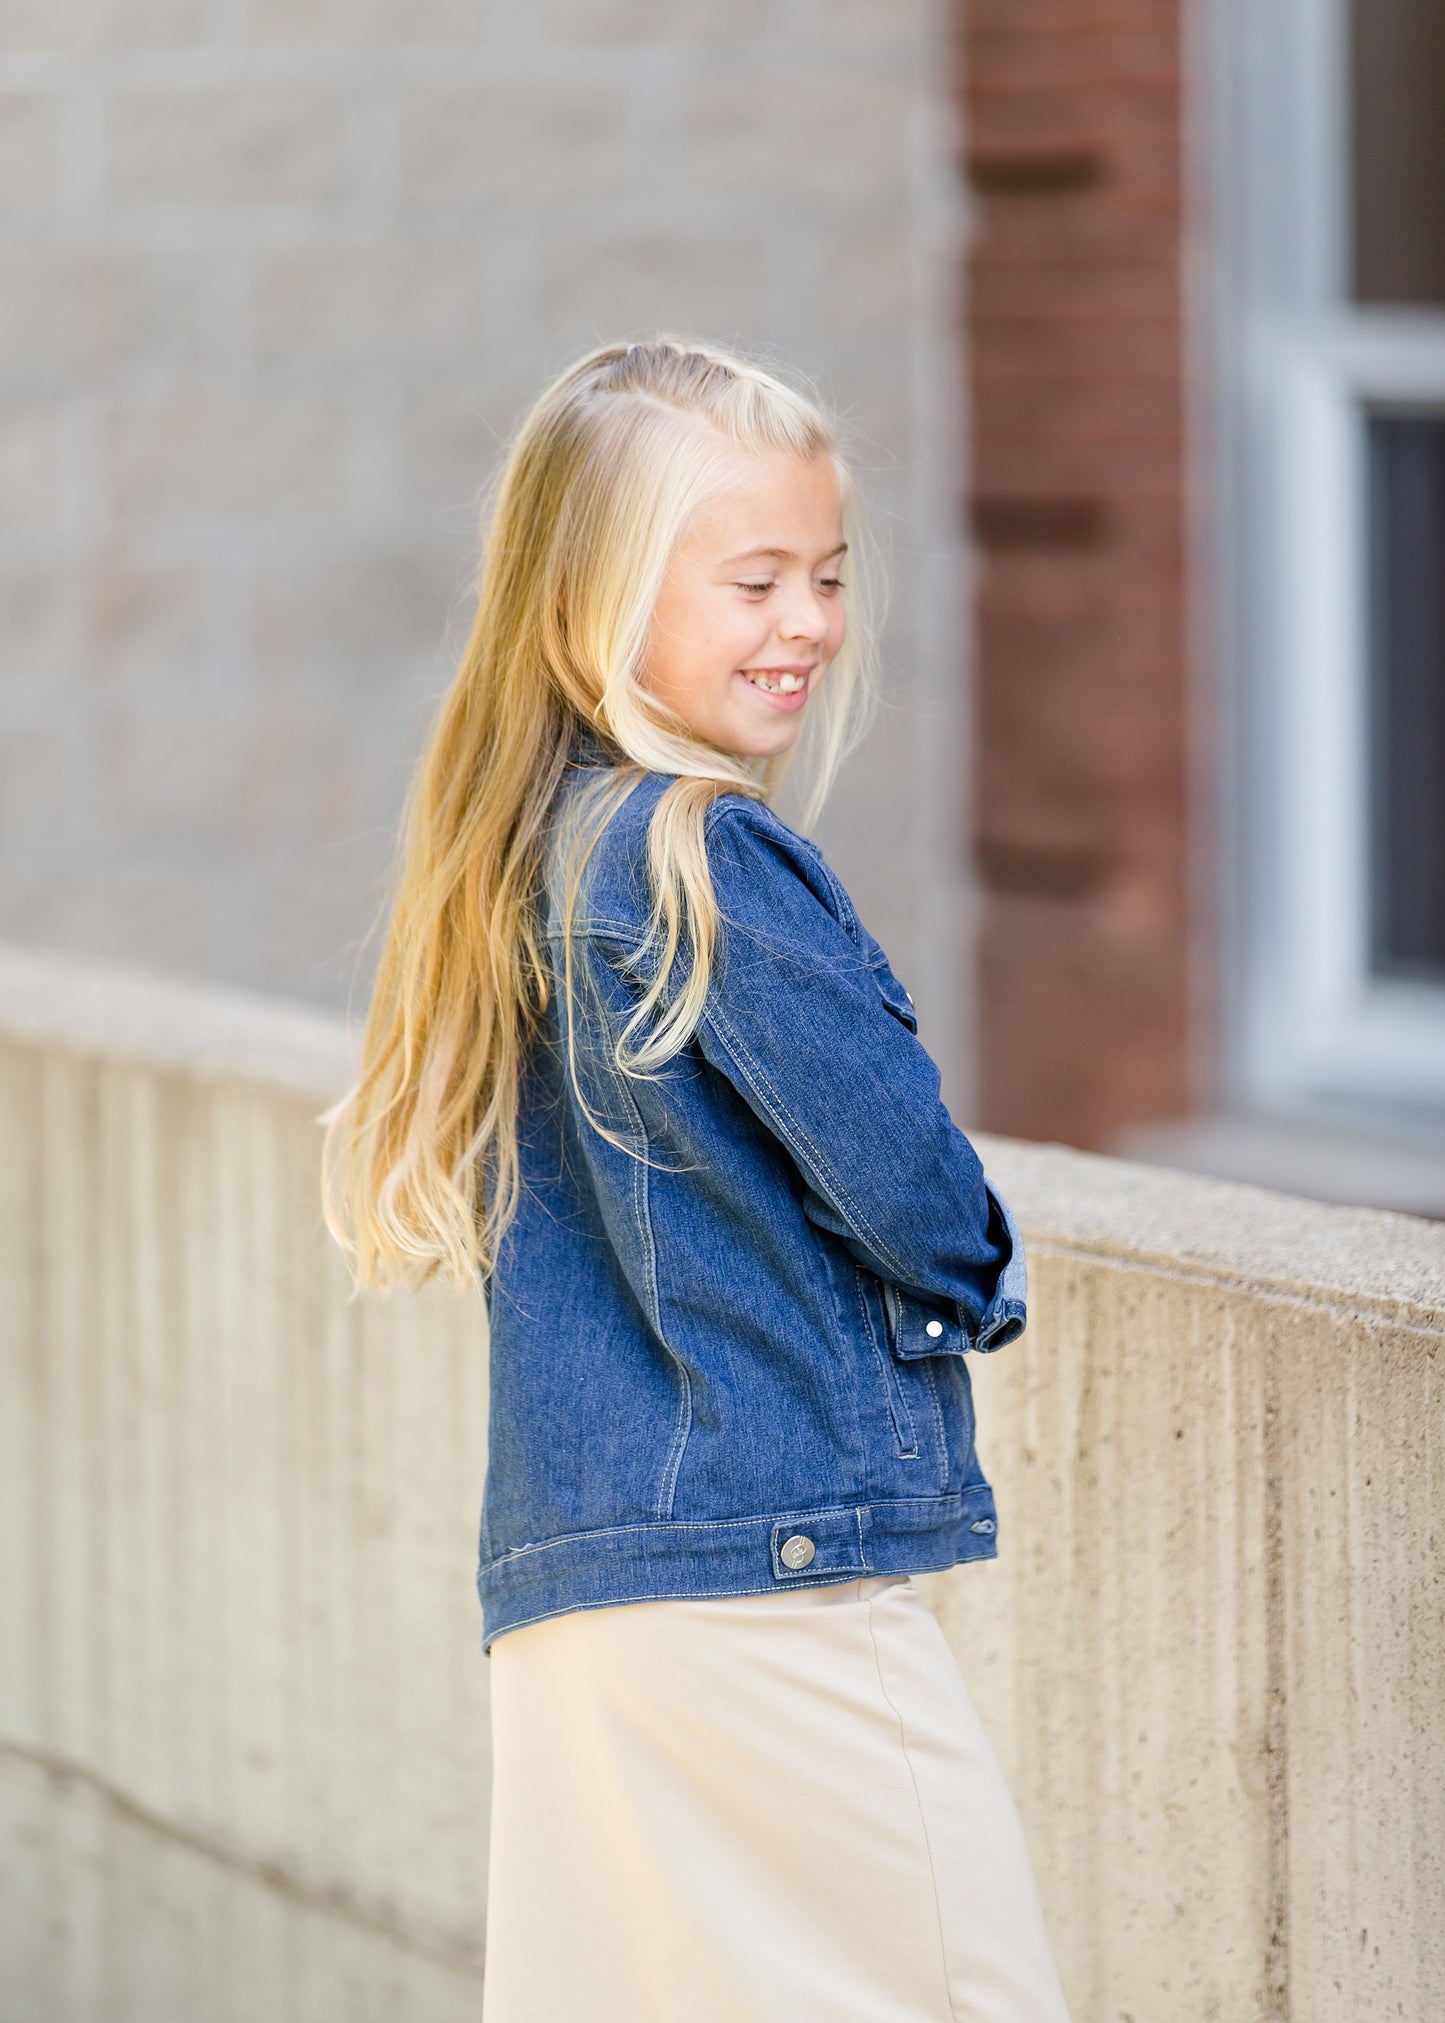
x=420, y=1168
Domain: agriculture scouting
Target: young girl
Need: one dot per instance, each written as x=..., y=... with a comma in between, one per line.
x=633, y=1060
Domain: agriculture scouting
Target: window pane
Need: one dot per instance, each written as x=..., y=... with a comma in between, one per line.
x=1407, y=693
x=1398, y=120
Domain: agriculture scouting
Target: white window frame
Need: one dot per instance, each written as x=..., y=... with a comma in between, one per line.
x=1305, y=1028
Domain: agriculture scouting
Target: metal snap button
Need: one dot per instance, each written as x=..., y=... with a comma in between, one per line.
x=934, y=1328
x=797, y=1551
x=984, y=1524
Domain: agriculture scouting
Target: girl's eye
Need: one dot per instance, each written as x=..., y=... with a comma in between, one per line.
x=831, y=582
x=757, y=588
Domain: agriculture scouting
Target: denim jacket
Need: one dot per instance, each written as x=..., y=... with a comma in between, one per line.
x=728, y=1356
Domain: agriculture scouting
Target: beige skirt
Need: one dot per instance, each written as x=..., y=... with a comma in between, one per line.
x=776, y=1808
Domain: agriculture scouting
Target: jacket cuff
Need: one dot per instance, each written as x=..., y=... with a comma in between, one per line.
x=1006, y=1315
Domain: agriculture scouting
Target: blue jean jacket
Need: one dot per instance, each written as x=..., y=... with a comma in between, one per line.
x=736, y=1362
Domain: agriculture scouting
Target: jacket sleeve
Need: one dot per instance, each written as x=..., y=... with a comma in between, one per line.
x=808, y=1023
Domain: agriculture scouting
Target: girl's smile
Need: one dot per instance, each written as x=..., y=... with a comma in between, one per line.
x=781, y=687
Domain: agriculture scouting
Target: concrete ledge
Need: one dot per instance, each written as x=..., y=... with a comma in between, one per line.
x=240, y=1640
x=104, y=1009
x=1186, y=1225
x=1154, y=1216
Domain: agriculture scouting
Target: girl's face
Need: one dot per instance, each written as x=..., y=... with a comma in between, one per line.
x=751, y=610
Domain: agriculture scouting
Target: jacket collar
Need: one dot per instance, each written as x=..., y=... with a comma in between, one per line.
x=590, y=746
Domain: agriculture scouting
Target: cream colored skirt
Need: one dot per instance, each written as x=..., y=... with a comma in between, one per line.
x=776, y=1808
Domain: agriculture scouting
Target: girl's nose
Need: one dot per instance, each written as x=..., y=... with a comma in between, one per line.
x=806, y=617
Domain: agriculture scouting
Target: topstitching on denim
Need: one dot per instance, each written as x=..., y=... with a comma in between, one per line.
x=677, y=1368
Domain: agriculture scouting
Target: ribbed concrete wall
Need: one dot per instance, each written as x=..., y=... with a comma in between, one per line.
x=242, y=1704
x=1212, y=1650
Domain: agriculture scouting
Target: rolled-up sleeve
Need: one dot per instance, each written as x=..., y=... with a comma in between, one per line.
x=797, y=1020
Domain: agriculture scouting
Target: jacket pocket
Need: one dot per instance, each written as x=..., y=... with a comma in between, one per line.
x=892, y=992
x=935, y=1363
x=905, y=1427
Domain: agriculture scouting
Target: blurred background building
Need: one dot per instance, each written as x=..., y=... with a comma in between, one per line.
x=1206, y=312
x=1137, y=315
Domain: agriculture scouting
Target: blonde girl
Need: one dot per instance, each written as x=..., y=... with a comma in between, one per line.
x=633, y=1063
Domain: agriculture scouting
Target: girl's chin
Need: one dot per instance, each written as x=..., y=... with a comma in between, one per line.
x=754, y=740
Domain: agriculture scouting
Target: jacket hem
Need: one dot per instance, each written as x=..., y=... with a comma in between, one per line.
x=733, y=1556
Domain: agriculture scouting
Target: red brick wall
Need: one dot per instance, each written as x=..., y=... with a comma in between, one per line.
x=1073, y=144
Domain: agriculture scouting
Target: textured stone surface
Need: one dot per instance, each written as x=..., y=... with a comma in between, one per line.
x=29, y=156
x=1212, y=1650
x=243, y=1768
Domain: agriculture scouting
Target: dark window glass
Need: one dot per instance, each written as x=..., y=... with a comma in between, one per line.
x=1398, y=148
x=1407, y=693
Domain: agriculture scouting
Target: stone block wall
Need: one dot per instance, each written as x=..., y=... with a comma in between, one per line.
x=277, y=277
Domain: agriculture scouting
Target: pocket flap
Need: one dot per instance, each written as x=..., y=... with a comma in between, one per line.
x=893, y=993
x=917, y=1329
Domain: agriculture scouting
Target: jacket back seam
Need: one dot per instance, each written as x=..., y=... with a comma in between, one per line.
x=642, y=1213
